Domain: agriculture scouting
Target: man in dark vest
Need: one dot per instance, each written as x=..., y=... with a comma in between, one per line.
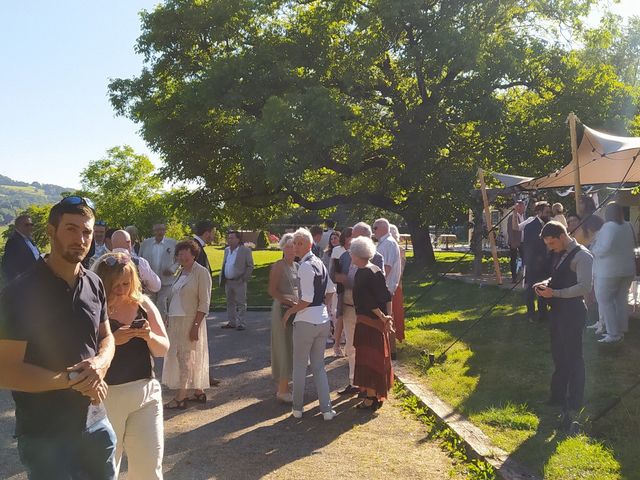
x=20, y=252
x=536, y=261
x=570, y=281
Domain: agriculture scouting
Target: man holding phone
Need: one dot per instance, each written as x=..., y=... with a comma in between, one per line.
x=570, y=281
x=55, y=349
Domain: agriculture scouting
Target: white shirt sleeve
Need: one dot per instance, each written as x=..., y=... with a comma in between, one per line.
x=521, y=225
x=306, y=276
x=148, y=277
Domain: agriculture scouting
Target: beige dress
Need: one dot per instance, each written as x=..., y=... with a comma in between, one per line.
x=281, y=335
x=186, y=365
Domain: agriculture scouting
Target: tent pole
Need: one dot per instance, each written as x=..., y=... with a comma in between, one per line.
x=574, y=156
x=492, y=236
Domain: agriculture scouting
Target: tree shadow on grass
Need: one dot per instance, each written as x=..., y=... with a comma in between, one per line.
x=505, y=360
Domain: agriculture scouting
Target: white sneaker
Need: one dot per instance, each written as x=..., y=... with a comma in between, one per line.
x=601, y=331
x=296, y=413
x=284, y=397
x=610, y=339
x=594, y=326
x=329, y=415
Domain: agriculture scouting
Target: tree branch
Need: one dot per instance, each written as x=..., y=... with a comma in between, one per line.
x=368, y=198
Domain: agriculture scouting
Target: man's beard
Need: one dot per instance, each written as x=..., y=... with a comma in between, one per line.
x=72, y=254
x=545, y=219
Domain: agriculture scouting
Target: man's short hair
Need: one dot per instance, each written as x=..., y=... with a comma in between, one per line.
x=303, y=233
x=316, y=230
x=60, y=208
x=203, y=226
x=21, y=219
x=236, y=233
x=110, y=232
x=553, y=229
x=330, y=223
x=364, y=227
x=540, y=206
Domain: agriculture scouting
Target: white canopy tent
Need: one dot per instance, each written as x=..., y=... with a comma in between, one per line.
x=602, y=159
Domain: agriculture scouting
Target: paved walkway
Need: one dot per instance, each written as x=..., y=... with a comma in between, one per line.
x=243, y=433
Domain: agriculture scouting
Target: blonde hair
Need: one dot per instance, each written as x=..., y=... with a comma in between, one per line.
x=122, y=265
x=557, y=208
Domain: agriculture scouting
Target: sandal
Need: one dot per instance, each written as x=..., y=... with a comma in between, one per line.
x=369, y=403
x=175, y=404
x=198, y=398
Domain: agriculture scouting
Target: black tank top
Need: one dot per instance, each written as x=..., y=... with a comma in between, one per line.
x=132, y=360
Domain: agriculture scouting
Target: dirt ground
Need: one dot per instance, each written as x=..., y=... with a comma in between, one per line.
x=243, y=433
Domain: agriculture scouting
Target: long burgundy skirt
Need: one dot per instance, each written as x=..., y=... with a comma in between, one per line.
x=373, y=356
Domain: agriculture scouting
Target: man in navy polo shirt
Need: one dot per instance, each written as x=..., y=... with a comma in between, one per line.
x=55, y=349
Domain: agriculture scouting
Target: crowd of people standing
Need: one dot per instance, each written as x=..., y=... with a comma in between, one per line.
x=575, y=268
x=80, y=337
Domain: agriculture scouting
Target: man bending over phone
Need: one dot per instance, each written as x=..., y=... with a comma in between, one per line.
x=55, y=349
x=570, y=281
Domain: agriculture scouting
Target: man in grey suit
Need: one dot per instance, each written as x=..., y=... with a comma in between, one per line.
x=237, y=266
x=159, y=251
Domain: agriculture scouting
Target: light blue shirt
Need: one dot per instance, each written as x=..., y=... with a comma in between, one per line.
x=31, y=245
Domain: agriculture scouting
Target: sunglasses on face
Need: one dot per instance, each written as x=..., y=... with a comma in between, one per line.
x=112, y=261
x=77, y=200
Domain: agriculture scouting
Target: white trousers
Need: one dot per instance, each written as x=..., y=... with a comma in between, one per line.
x=349, y=328
x=135, y=411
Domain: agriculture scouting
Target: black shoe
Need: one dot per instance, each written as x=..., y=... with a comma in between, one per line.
x=362, y=394
x=227, y=325
x=240, y=328
x=394, y=356
x=349, y=390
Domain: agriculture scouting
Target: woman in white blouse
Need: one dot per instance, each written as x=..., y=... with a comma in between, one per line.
x=613, y=272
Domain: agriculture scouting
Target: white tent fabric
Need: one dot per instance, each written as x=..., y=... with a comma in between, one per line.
x=603, y=159
x=510, y=180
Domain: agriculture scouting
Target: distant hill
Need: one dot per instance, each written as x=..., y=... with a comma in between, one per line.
x=15, y=196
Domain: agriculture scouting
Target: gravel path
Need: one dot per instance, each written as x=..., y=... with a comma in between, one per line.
x=243, y=433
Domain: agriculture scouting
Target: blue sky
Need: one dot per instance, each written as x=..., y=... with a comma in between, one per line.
x=56, y=59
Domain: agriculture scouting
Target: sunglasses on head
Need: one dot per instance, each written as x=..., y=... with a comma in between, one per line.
x=77, y=200
x=112, y=261
x=100, y=223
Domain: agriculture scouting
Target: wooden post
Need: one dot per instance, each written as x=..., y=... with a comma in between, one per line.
x=492, y=235
x=574, y=157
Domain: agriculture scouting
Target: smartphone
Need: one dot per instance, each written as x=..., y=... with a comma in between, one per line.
x=137, y=323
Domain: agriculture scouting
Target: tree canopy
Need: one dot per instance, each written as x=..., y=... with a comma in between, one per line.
x=387, y=103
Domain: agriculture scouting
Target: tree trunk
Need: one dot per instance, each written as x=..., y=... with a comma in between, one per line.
x=422, y=248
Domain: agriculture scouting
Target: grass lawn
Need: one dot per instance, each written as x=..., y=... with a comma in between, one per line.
x=257, y=289
x=498, y=376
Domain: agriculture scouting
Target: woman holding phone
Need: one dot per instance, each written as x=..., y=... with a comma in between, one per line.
x=134, y=399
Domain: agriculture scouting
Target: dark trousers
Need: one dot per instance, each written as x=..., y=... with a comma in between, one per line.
x=532, y=277
x=513, y=261
x=89, y=455
x=567, y=381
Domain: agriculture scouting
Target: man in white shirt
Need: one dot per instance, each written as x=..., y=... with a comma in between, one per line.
x=159, y=251
x=326, y=235
x=388, y=247
x=121, y=242
x=237, y=266
x=310, y=326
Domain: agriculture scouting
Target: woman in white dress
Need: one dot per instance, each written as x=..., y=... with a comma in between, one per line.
x=186, y=364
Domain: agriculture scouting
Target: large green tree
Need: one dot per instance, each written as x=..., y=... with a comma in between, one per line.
x=387, y=103
x=127, y=191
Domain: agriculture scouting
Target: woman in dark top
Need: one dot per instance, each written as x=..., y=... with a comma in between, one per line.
x=371, y=299
x=134, y=399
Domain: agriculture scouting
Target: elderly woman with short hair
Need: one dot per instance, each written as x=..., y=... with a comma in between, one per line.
x=373, y=371
x=283, y=288
x=310, y=326
x=186, y=365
